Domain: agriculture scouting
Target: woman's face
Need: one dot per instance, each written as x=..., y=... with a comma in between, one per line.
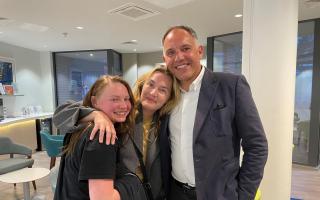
x=155, y=92
x=114, y=101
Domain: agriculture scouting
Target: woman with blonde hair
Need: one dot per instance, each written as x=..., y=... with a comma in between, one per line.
x=156, y=93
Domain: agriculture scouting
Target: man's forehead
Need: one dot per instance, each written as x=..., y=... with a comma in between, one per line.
x=179, y=42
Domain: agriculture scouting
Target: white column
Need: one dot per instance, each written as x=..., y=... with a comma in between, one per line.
x=269, y=58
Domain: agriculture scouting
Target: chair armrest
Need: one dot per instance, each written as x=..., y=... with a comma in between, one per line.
x=53, y=147
x=57, y=137
x=20, y=149
x=55, y=142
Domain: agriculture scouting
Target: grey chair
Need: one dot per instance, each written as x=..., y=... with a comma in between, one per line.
x=12, y=164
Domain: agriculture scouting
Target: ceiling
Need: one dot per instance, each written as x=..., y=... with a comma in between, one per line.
x=47, y=25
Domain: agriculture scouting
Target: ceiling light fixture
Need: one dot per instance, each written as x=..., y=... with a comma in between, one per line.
x=134, y=40
x=79, y=27
x=91, y=54
x=238, y=15
x=134, y=49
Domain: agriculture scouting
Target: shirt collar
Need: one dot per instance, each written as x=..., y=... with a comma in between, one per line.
x=196, y=84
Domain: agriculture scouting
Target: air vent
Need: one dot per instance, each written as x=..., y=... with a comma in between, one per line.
x=134, y=12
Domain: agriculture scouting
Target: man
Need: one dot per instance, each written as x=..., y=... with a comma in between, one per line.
x=200, y=141
x=215, y=115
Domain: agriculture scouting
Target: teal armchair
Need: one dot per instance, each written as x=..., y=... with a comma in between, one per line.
x=53, y=145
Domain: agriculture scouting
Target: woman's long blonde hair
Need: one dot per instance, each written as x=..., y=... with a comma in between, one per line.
x=96, y=90
x=175, y=91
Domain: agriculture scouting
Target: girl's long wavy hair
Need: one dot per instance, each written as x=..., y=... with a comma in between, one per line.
x=96, y=90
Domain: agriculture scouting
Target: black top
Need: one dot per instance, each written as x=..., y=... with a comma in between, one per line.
x=90, y=160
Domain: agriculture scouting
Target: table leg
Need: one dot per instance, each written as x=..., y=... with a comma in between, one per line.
x=26, y=191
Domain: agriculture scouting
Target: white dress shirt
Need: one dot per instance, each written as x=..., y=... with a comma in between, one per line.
x=181, y=133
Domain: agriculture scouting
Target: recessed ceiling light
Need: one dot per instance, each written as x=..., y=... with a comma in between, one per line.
x=134, y=49
x=134, y=40
x=91, y=54
x=238, y=15
x=79, y=27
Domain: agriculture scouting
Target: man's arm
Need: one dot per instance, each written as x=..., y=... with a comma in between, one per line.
x=69, y=116
x=254, y=142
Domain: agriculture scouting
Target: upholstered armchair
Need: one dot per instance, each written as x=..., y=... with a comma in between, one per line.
x=53, y=145
x=14, y=163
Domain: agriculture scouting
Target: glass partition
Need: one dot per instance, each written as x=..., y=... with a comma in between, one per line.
x=303, y=90
x=75, y=72
x=227, y=53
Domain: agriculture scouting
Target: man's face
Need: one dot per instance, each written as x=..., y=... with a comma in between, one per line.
x=182, y=55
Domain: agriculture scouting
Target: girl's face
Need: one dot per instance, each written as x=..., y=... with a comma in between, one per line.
x=156, y=92
x=114, y=101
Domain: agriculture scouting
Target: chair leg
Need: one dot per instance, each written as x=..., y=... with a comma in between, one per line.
x=52, y=162
x=34, y=185
x=14, y=184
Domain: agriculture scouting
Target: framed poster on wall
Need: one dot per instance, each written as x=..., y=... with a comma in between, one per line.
x=7, y=70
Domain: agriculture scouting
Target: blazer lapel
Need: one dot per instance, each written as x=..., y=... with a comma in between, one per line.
x=138, y=134
x=153, y=152
x=206, y=96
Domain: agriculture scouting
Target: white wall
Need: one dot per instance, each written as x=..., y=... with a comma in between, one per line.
x=130, y=67
x=47, y=79
x=147, y=61
x=136, y=64
x=33, y=79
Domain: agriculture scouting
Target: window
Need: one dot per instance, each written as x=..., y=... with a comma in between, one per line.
x=227, y=53
x=75, y=72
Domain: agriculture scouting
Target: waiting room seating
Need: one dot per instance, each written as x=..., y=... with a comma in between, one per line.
x=53, y=145
x=12, y=164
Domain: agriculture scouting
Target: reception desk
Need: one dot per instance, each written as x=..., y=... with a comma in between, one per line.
x=22, y=129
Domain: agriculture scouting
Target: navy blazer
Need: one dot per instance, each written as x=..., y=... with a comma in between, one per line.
x=226, y=117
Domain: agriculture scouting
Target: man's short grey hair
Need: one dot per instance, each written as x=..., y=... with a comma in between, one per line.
x=182, y=27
